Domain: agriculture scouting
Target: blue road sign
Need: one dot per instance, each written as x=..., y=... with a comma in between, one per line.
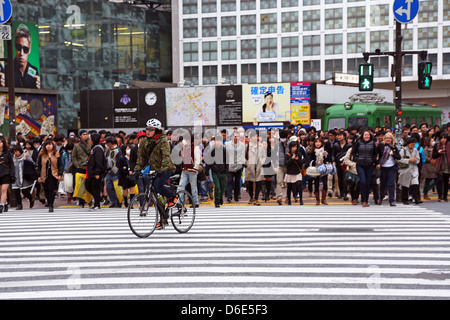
x=5, y=11
x=405, y=10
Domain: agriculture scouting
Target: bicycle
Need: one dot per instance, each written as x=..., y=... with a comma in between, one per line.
x=142, y=221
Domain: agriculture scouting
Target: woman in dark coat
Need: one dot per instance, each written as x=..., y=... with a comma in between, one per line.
x=96, y=168
x=293, y=162
x=6, y=173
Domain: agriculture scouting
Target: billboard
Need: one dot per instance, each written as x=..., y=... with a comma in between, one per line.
x=185, y=105
x=26, y=57
x=229, y=105
x=266, y=103
x=301, y=103
x=35, y=114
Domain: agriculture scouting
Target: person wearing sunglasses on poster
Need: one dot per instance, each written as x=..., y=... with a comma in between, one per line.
x=25, y=74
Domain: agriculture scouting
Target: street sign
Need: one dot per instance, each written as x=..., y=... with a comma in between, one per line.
x=5, y=11
x=405, y=10
x=5, y=32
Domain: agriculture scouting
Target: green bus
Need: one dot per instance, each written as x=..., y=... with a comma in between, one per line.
x=378, y=115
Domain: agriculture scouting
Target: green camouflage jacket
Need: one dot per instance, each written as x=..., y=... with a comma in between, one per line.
x=160, y=158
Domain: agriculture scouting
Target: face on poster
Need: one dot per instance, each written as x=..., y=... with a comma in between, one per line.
x=266, y=103
x=26, y=56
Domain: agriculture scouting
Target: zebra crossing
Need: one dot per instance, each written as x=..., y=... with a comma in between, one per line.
x=235, y=252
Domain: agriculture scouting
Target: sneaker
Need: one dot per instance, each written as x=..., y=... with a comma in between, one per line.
x=97, y=208
x=161, y=225
x=172, y=202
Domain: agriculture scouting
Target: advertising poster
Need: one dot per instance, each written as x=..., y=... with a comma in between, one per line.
x=185, y=105
x=229, y=105
x=35, y=114
x=266, y=103
x=301, y=103
x=126, y=108
x=26, y=57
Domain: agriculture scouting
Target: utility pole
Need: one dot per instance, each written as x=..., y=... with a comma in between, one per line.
x=398, y=81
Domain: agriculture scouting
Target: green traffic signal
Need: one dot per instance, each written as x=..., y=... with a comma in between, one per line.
x=425, y=78
x=366, y=77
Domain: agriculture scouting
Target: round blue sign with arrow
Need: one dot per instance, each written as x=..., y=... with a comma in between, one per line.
x=5, y=11
x=405, y=10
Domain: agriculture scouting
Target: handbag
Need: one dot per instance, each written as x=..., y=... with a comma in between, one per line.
x=68, y=182
x=351, y=177
x=312, y=171
x=326, y=169
x=403, y=165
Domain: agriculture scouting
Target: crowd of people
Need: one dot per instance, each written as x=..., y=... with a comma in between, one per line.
x=281, y=165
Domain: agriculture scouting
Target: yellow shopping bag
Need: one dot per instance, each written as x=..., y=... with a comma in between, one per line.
x=80, y=189
x=119, y=191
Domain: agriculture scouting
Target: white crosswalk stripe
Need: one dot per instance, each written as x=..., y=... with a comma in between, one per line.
x=233, y=252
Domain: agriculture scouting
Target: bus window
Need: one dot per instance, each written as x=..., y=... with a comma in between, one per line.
x=413, y=121
x=430, y=121
x=338, y=123
x=421, y=120
x=438, y=121
x=378, y=124
x=358, y=122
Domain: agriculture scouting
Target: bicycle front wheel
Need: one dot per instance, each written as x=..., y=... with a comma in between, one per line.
x=142, y=218
x=183, y=213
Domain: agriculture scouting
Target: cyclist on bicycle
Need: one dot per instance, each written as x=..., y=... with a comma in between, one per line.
x=154, y=150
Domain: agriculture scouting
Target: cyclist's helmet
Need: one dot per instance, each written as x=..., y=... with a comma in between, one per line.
x=154, y=123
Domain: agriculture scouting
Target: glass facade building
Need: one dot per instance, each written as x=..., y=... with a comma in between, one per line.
x=92, y=44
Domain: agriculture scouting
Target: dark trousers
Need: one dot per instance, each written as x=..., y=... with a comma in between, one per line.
x=50, y=187
x=220, y=185
x=234, y=183
x=254, y=189
x=94, y=187
x=295, y=188
x=353, y=188
x=26, y=192
x=341, y=180
x=387, y=182
x=317, y=180
x=365, y=175
x=442, y=185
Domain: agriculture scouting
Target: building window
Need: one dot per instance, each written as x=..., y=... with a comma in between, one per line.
x=407, y=65
x=289, y=47
x=332, y=1
x=209, y=27
x=248, y=5
x=408, y=39
x=356, y=17
x=289, y=21
x=268, y=4
x=331, y=67
x=190, y=51
x=433, y=58
x=248, y=24
x=429, y=11
x=333, y=19
x=248, y=49
x=379, y=15
x=428, y=38
x=311, y=45
x=210, y=75
x=269, y=72
x=228, y=26
x=269, y=48
x=191, y=75
x=229, y=72
x=311, y=70
x=189, y=6
x=209, y=51
x=268, y=23
x=446, y=40
x=290, y=71
x=446, y=63
x=228, y=5
x=353, y=65
x=311, y=20
x=379, y=40
x=209, y=6
x=381, y=66
x=248, y=73
x=190, y=28
x=333, y=43
x=311, y=2
x=356, y=42
x=289, y=3
x=229, y=51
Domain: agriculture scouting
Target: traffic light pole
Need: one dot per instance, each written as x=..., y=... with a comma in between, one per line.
x=398, y=57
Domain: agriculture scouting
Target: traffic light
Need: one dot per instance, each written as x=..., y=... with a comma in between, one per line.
x=425, y=79
x=366, y=77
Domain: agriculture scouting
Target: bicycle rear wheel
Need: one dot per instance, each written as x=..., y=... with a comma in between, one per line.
x=183, y=213
x=142, y=218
